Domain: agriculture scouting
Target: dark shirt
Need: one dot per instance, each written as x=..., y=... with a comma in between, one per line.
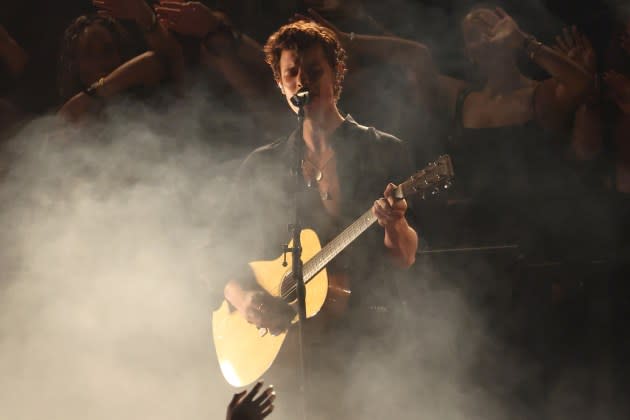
x=261, y=207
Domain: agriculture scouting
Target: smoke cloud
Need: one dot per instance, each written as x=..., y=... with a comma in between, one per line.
x=106, y=284
x=106, y=288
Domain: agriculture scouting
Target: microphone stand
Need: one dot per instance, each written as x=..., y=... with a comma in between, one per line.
x=299, y=100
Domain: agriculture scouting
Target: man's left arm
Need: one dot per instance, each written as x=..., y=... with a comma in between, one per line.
x=400, y=238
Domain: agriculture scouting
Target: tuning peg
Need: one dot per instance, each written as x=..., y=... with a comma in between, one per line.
x=447, y=185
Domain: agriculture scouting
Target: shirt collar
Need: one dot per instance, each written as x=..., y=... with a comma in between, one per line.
x=344, y=129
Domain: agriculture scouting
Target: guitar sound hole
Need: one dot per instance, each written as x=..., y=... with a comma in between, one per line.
x=289, y=293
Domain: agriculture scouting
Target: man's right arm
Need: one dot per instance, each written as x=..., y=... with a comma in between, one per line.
x=240, y=227
x=259, y=308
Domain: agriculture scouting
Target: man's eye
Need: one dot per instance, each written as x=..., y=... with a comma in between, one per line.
x=316, y=73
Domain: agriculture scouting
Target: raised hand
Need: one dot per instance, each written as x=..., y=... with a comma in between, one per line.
x=504, y=31
x=247, y=406
x=136, y=10
x=189, y=18
x=619, y=87
x=578, y=48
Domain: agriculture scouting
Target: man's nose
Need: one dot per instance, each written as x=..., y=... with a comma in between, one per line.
x=302, y=79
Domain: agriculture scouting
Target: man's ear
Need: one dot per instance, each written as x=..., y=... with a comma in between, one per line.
x=280, y=86
x=340, y=68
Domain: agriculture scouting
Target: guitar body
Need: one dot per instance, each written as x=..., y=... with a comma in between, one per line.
x=244, y=353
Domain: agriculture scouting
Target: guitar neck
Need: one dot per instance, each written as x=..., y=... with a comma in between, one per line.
x=435, y=175
x=334, y=247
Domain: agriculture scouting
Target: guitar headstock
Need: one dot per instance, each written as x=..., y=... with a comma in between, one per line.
x=436, y=176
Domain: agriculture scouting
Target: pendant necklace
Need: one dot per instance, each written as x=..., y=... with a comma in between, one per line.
x=318, y=174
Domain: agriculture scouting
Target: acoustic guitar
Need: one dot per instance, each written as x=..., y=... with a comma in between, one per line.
x=244, y=351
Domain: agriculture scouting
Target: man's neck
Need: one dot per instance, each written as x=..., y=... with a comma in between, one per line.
x=318, y=130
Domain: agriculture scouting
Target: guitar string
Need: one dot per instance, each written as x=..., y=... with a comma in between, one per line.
x=336, y=246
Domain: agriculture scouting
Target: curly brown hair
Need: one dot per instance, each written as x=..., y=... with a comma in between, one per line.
x=302, y=35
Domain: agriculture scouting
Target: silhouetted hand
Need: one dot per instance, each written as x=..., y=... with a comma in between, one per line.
x=246, y=406
x=136, y=10
x=578, y=48
x=190, y=18
x=619, y=86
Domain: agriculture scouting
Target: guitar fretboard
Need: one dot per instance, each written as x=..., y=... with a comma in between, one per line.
x=334, y=247
x=436, y=174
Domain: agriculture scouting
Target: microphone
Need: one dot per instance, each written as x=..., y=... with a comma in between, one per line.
x=301, y=98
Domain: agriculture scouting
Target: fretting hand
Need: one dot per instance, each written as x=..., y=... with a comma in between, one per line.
x=388, y=210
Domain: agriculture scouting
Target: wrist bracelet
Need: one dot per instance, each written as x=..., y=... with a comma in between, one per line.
x=91, y=90
x=528, y=40
x=532, y=46
x=352, y=35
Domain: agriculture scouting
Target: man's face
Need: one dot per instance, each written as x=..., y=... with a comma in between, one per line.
x=311, y=70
